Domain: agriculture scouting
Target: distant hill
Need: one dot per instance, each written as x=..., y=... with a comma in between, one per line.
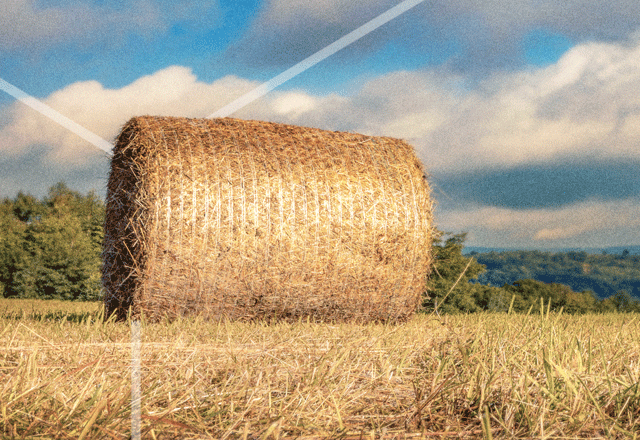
x=604, y=274
x=616, y=250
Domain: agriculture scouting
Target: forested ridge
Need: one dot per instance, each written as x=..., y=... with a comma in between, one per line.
x=50, y=249
x=604, y=274
x=518, y=280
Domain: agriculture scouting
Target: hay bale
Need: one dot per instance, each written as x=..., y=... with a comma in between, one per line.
x=246, y=219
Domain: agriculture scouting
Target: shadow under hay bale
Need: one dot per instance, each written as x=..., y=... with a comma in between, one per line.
x=237, y=219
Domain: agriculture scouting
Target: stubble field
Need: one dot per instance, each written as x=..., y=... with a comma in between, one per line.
x=64, y=373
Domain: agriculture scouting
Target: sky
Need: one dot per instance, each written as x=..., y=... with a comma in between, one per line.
x=525, y=113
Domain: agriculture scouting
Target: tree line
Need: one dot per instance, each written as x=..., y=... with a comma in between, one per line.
x=605, y=274
x=50, y=249
x=457, y=284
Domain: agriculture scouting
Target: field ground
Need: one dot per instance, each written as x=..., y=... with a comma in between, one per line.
x=66, y=374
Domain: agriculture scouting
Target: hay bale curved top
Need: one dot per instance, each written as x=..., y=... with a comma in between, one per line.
x=247, y=219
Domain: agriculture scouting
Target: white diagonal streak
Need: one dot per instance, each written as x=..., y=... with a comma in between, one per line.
x=55, y=116
x=136, y=397
x=314, y=59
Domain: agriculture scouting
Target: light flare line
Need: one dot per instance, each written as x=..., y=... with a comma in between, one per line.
x=56, y=116
x=136, y=397
x=314, y=59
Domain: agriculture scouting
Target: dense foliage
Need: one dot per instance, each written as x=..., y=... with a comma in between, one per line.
x=605, y=274
x=50, y=248
x=457, y=285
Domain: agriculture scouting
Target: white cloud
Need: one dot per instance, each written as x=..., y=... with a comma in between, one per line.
x=502, y=18
x=585, y=106
x=522, y=117
x=26, y=24
x=171, y=91
x=592, y=224
x=293, y=104
x=575, y=17
x=489, y=32
x=288, y=31
x=290, y=12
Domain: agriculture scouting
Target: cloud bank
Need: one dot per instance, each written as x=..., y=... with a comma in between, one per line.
x=583, y=110
x=489, y=33
x=171, y=91
x=585, y=106
x=28, y=25
x=586, y=224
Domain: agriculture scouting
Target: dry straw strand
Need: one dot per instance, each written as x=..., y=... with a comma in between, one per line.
x=228, y=218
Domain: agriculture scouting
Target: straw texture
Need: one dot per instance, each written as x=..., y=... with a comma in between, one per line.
x=238, y=219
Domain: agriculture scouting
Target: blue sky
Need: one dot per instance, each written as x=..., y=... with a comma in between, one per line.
x=526, y=113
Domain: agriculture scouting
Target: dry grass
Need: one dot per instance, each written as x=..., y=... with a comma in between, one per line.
x=67, y=375
x=256, y=220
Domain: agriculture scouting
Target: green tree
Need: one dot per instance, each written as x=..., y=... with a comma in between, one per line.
x=602, y=274
x=59, y=242
x=582, y=302
x=11, y=249
x=528, y=293
x=27, y=208
x=621, y=302
x=448, y=288
x=491, y=298
x=89, y=210
x=60, y=261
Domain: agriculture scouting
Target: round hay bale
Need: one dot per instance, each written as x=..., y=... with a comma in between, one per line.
x=244, y=219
